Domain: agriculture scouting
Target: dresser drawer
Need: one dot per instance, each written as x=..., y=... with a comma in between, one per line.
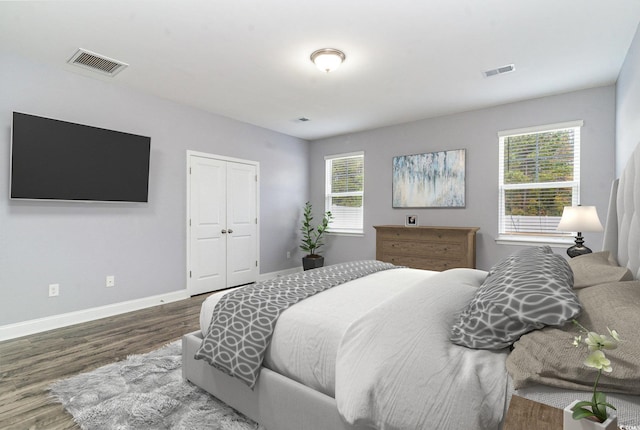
x=426, y=249
x=427, y=234
x=425, y=263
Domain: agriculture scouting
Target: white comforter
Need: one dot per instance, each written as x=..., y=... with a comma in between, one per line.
x=306, y=338
x=380, y=346
x=396, y=368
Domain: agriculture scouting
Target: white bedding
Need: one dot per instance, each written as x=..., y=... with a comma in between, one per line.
x=345, y=343
x=306, y=338
x=396, y=365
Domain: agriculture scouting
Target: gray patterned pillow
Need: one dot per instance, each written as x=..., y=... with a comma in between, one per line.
x=526, y=291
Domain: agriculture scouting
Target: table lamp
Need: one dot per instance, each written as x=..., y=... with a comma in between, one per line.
x=579, y=219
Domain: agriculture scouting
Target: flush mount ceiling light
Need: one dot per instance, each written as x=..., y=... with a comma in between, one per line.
x=327, y=59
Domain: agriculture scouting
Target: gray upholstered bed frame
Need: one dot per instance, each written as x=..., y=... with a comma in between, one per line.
x=277, y=402
x=280, y=403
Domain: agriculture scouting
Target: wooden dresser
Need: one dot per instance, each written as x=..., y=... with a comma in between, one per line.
x=432, y=248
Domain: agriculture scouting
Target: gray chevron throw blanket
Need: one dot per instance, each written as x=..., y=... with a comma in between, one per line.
x=243, y=320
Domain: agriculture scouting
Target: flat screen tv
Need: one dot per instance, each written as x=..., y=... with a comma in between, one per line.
x=59, y=160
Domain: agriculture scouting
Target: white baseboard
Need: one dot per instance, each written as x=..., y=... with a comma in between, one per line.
x=25, y=328
x=12, y=331
x=271, y=275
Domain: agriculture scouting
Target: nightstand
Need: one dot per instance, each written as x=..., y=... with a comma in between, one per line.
x=525, y=414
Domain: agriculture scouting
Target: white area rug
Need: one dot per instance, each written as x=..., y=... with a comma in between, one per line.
x=145, y=392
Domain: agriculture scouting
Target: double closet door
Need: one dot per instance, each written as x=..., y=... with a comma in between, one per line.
x=222, y=222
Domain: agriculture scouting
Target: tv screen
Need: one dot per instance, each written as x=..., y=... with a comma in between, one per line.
x=58, y=160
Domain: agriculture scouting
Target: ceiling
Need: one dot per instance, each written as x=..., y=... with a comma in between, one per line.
x=405, y=59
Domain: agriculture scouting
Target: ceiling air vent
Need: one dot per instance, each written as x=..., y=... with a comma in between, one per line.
x=96, y=62
x=500, y=70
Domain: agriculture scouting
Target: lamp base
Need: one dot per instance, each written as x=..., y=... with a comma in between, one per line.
x=578, y=248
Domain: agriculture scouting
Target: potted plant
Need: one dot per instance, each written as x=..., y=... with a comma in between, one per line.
x=592, y=414
x=312, y=238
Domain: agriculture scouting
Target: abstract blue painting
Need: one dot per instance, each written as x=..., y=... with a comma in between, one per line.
x=431, y=180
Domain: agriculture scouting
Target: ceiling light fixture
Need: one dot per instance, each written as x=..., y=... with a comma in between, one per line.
x=327, y=59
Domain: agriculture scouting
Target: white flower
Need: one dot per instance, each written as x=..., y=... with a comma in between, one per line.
x=577, y=340
x=597, y=341
x=599, y=361
x=614, y=334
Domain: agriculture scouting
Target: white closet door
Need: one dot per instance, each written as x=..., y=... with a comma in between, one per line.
x=242, y=259
x=223, y=229
x=208, y=248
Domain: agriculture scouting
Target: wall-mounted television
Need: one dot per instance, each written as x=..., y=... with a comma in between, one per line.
x=59, y=160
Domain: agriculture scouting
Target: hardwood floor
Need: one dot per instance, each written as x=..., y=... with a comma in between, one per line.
x=28, y=365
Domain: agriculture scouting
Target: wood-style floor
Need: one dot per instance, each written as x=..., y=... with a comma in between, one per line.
x=28, y=365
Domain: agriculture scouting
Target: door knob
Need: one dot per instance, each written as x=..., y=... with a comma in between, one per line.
x=230, y=231
x=224, y=232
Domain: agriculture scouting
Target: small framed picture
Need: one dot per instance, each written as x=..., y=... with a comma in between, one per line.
x=411, y=221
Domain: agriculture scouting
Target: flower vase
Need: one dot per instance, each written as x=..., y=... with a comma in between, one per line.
x=568, y=423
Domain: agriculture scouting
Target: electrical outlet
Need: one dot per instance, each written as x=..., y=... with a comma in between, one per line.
x=111, y=281
x=288, y=254
x=54, y=290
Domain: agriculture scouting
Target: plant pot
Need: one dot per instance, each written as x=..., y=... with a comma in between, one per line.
x=312, y=262
x=568, y=423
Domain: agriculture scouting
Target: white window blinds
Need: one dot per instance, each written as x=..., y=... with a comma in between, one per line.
x=344, y=192
x=539, y=174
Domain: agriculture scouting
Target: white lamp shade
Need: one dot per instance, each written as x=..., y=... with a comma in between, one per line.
x=327, y=59
x=580, y=218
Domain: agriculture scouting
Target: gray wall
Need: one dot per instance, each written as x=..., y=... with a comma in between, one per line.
x=628, y=105
x=143, y=245
x=477, y=132
x=77, y=244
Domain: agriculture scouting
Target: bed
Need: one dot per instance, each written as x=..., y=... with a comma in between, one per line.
x=385, y=350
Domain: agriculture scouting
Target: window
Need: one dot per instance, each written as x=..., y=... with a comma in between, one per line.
x=539, y=175
x=344, y=192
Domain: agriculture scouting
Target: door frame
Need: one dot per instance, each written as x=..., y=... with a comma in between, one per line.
x=256, y=164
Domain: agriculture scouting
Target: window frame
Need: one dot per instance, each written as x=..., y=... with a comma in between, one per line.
x=329, y=194
x=536, y=238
